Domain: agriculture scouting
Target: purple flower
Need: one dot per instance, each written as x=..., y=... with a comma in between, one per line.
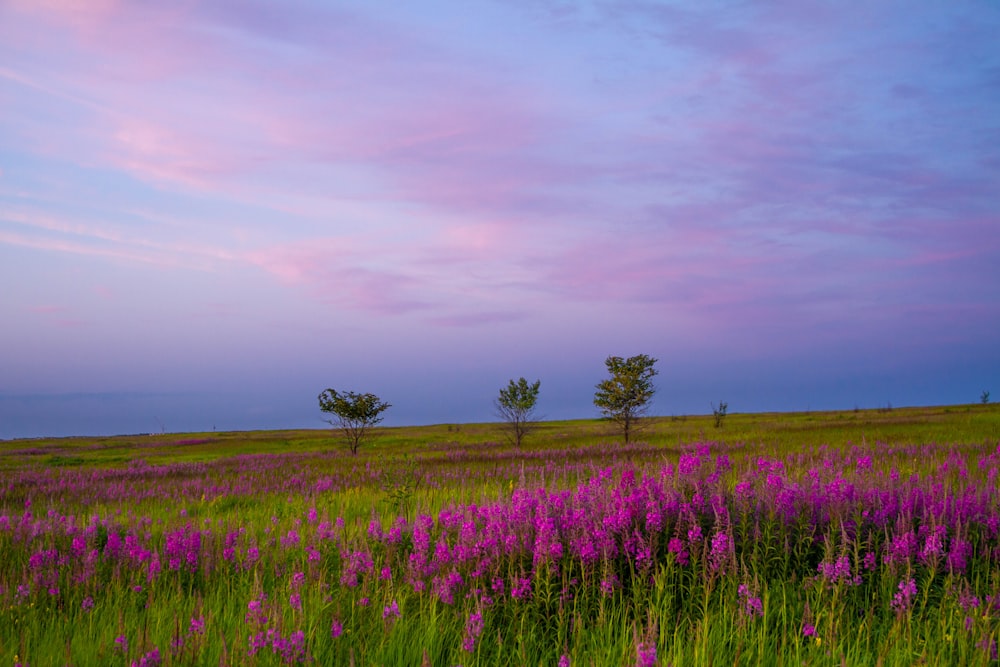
x=958, y=554
x=968, y=601
x=751, y=604
x=720, y=552
x=473, y=629
x=293, y=649
x=902, y=600
x=808, y=630
x=336, y=628
x=197, y=626
x=121, y=644
x=839, y=571
x=295, y=601
x=676, y=547
x=645, y=654
x=256, y=613
x=391, y=611
x=564, y=660
x=151, y=659
x=521, y=590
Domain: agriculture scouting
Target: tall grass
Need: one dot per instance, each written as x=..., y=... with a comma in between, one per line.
x=460, y=551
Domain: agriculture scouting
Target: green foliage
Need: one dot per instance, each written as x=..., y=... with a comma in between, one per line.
x=624, y=397
x=516, y=406
x=353, y=413
x=568, y=615
x=719, y=413
x=399, y=483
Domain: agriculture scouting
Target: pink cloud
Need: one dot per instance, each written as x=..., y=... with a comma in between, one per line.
x=54, y=233
x=335, y=274
x=57, y=316
x=429, y=178
x=46, y=309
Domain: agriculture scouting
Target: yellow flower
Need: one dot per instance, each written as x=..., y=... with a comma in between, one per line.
x=818, y=641
x=947, y=637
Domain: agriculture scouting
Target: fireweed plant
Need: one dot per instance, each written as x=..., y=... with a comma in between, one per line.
x=704, y=553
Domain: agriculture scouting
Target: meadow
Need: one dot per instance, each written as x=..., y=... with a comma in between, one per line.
x=859, y=537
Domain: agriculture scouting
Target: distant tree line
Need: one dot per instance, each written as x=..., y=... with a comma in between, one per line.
x=623, y=398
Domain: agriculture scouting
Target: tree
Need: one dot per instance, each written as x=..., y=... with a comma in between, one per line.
x=984, y=397
x=516, y=406
x=720, y=413
x=354, y=414
x=624, y=397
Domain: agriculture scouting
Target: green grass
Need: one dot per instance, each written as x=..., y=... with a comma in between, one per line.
x=782, y=431
x=693, y=617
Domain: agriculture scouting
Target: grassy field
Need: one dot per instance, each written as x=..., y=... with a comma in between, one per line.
x=855, y=537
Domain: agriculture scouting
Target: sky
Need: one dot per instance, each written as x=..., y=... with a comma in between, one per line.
x=211, y=211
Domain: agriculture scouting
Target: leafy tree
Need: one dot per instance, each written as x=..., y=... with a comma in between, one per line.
x=353, y=413
x=720, y=413
x=516, y=406
x=624, y=397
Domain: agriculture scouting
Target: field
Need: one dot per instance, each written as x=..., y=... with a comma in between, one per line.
x=830, y=538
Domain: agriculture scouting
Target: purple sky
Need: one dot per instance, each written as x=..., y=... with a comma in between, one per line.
x=210, y=211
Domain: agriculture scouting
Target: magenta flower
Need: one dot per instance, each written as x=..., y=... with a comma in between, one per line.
x=151, y=659
x=645, y=654
x=719, y=554
x=473, y=629
x=751, y=604
x=903, y=600
x=521, y=590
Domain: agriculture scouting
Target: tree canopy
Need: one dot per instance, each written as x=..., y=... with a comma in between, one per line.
x=353, y=413
x=516, y=406
x=624, y=397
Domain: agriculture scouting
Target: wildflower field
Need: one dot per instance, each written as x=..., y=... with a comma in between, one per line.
x=857, y=538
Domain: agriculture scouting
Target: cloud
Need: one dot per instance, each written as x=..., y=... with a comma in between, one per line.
x=80, y=236
x=334, y=273
x=709, y=159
